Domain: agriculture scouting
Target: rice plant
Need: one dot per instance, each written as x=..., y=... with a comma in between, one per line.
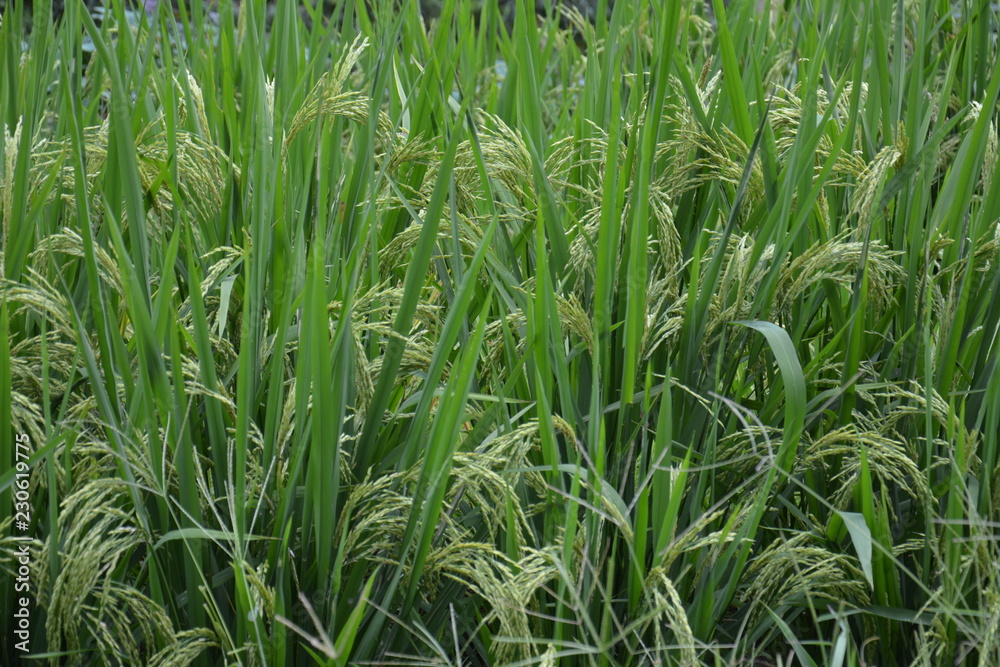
x=353, y=333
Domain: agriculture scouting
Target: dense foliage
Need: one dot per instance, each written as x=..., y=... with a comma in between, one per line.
x=669, y=338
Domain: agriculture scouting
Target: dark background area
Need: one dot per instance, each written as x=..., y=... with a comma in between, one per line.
x=430, y=8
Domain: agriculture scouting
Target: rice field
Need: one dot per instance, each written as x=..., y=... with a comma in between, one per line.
x=666, y=335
